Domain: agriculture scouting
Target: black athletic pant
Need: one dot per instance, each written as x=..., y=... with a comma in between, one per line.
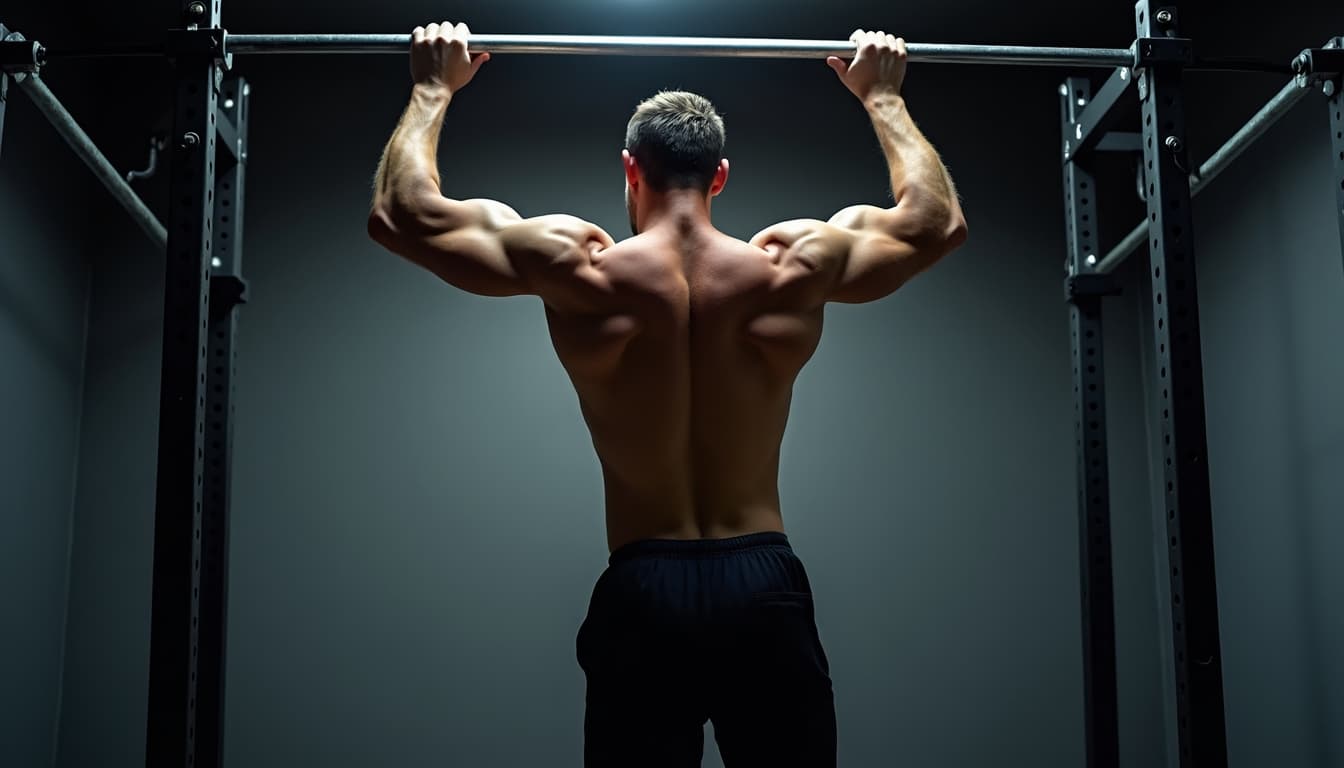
x=682, y=632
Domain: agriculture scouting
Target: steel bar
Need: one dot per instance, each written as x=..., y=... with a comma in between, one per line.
x=1220, y=161
x=65, y=124
x=729, y=47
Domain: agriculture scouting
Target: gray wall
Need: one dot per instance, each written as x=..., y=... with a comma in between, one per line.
x=417, y=519
x=417, y=513
x=1273, y=304
x=44, y=228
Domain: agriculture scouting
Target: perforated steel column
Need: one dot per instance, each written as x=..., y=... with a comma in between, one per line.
x=1179, y=384
x=4, y=91
x=227, y=291
x=1089, y=396
x=175, y=658
x=1337, y=146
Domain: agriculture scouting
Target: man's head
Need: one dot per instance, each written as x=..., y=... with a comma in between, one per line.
x=674, y=143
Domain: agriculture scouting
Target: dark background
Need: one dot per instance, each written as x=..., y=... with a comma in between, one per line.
x=417, y=511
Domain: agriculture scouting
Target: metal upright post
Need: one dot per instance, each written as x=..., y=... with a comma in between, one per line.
x=183, y=548
x=228, y=291
x=1335, y=88
x=4, y=89
x=1085, y=291
x=4, y=98
x=1178, y=377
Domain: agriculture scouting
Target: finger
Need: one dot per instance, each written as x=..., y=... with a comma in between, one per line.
x=838, y=65
x=431, y=31
x=463, y=30
x=418, y=35
x=891, y=40
x=901, y=47
x=478, y=62
x=856, y=37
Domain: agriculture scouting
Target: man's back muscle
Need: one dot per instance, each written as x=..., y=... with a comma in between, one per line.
x=684, y=365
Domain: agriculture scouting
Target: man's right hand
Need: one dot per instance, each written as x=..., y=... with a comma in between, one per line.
x=878, y=67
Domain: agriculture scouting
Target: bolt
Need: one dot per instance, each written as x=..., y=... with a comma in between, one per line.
x=195, y=10
x=190, y=140
x=1328, y=88
x=1300, y=64
x=1091, y=260
x=1164, y=16
x=1174, y=144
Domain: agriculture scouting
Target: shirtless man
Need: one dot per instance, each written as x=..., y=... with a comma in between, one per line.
x=683, y=344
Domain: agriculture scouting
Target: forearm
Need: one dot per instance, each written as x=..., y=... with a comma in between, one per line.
x=918, y=177
x=409, y=172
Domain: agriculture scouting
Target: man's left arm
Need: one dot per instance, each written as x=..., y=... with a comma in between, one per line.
x=480, y=246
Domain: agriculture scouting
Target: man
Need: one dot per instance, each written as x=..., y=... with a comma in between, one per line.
x=683, y=344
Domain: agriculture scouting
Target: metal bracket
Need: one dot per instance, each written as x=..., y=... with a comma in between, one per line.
x=212, y=42
x=19, y=56
x=1090, y=285
x=1094, y=117
x=1120, y=142
x=1163, y=50
x=1317, y=65
x=226, y=293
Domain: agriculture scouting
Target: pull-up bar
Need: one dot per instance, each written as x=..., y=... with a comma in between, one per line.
x=722, y=47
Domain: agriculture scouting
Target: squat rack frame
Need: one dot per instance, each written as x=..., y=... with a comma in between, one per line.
x=204, y=288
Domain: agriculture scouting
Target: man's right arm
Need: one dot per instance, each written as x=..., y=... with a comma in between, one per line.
x=869, y=251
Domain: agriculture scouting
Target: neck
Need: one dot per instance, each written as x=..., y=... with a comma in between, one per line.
x=681, y=209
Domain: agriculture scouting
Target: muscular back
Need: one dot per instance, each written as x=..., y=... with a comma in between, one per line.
x=684, y=366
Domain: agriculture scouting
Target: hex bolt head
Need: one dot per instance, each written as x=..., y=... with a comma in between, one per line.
x=195, y=10
x=1328, y=88
x=190, y=140
x=1174, y=144
x=1164, y=17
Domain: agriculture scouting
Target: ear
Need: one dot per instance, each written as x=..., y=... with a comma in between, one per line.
x=631, y=169
x=720, y=179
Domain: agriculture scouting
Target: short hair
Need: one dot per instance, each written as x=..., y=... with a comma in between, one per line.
x=677, y=138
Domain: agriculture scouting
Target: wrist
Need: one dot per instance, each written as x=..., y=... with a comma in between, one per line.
x=432, y=91
x=883, y=99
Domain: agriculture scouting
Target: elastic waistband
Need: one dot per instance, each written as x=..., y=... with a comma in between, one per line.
x=695, y=548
